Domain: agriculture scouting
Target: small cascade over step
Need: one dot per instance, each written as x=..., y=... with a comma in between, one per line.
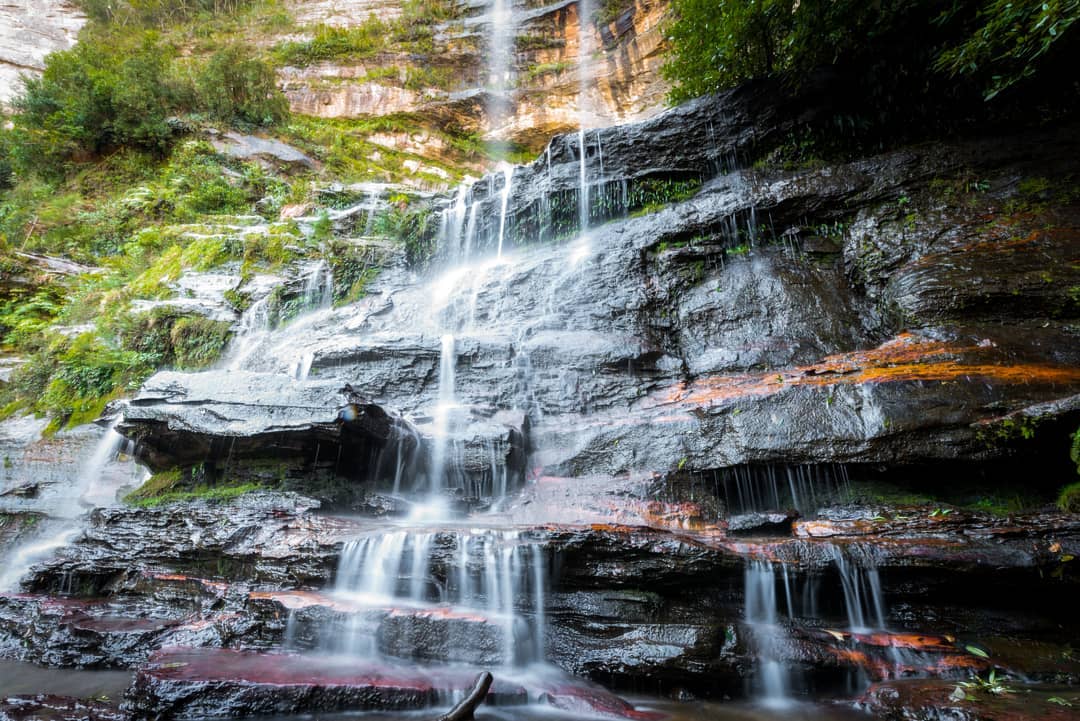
x=312, y=293
x=863, y=598
x=838, y=611
x=61, y=527
x=474, y=595
x=771, y=681
x=445, y=407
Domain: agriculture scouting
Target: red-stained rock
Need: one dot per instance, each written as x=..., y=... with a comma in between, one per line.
x=185, y=683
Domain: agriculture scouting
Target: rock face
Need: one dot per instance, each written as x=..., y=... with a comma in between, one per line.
x=28, y=32
x=663, y=417
x=547, y=74
x=266, y=150
x=803, y=317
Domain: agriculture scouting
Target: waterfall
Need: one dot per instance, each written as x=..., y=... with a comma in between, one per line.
x=804, y=488
x=318, y=291
x=586, y=79
x=490, y=574
x=456, y=248
x=583, y=184
x=87, y=492
x=440, y=471
x=863, y=598
x=771, y=682
x=302, y=368
x=504, y=200
x=253, y=328
x=372, y=208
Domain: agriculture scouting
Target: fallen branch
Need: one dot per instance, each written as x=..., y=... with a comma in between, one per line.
x=463, y=711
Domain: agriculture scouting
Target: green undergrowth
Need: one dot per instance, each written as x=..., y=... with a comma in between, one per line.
x=218, y=494
x=348, y=153
x=1069, y=498
x=413, y=31
x=138, y=223
x=178, y=485
x=107, y=162
x=970, y=495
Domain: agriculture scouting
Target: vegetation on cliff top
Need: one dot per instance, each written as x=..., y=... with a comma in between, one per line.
x=927, y=47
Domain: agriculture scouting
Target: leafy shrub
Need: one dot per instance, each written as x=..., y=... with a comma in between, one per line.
x=7, y=165
x=24, y=316
x=125, y=90
x=330, y=41
x=235, y=86
x=1009, y=39
x=88, y=372
x=101, y=94
x=414, y=227
x=155, y=12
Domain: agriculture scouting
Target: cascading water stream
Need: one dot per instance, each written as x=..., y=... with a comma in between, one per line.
x=771, y=683
x=443, y=410
x=253, y=328
x=586, y=79
x=492, y=577
x=504, y=200
x=87, y=492
x=863, y=598
x=501, y=40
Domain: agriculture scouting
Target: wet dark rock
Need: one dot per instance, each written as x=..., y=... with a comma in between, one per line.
x=428, y=634
x=261, y=536
x=70, y=633
x=179, y=419
x=15, y=525
x=761, y=522
x=190, y=684
x=933, y=700
x=321, y=437
x=36, y=472
x=58, y=708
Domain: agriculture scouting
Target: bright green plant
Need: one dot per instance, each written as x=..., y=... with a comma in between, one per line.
x=1069, y=498
x=101, y=94
x=197, y=341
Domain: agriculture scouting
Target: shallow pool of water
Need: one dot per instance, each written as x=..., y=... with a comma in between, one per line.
x=17, y=678
x=23, y=678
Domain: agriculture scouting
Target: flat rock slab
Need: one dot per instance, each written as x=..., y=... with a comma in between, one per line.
x=188, y=418
x=186, y=683
x=251, y=147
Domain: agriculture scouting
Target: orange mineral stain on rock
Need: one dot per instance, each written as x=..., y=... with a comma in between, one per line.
x=908, y=357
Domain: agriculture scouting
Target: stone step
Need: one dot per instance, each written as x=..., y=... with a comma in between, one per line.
x=425, y=632
x=186, y=683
